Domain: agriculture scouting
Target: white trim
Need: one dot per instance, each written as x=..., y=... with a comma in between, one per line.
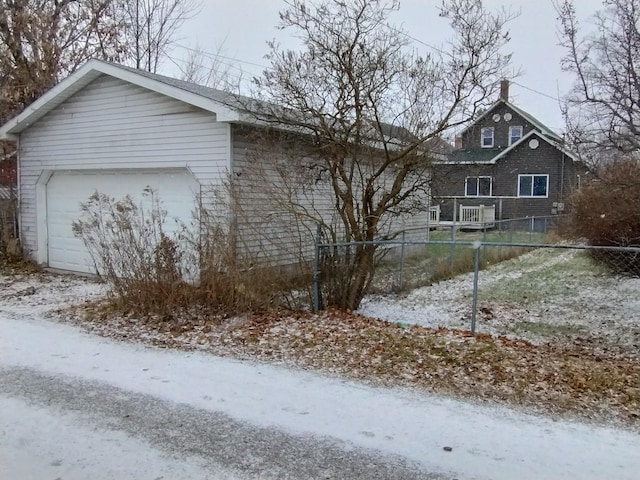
x=42, y=231
x=513, y=127
x=539, y=135
x=493, y=137
x=19, y=186
x=92, y=70
x=546, y=195
x=230, y=165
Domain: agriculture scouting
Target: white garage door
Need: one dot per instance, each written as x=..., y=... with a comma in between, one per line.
x=67, y=189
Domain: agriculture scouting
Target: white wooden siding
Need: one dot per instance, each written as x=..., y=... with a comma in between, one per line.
x=111, y=124
x=266, y=228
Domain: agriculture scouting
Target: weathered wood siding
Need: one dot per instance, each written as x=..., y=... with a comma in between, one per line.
x=111, y=124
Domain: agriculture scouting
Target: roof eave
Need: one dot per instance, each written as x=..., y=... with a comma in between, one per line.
x=540, y=135
x=92, y=70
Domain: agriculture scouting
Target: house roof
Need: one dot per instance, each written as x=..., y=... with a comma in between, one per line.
x=492, y=155
x=225, y=106
x=541, y=127
x=473, y=155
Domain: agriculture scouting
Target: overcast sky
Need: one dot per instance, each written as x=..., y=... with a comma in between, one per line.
x=241, y=29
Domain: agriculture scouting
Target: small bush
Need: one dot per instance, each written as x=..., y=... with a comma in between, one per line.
x=606, y=212
x=192, y=268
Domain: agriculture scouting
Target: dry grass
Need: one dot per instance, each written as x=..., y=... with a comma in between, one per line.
x=577, y=379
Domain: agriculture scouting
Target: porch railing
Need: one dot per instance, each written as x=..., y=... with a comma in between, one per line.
x=434, y=215
x=480, y=214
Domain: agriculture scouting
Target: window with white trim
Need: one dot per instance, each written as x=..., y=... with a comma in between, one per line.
x=478, y=186
x=515, y=134
x=486, y=137
x=533, y=185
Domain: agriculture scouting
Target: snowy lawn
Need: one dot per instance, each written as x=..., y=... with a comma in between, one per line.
x=539, y=353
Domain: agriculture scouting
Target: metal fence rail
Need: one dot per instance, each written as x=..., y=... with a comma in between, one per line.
x=622, y=261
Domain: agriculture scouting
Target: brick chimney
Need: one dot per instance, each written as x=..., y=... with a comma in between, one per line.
x=504, y=90
x=458, y=143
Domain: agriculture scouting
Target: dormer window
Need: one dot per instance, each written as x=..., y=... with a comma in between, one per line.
x=486, y=137
x=515, y=134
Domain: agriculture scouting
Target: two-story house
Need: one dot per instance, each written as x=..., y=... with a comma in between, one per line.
x=510, y=163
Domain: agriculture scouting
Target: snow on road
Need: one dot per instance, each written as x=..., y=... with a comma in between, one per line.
x=45, y=443
x=486, y=442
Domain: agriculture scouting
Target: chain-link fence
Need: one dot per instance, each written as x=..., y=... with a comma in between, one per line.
x=485, y=283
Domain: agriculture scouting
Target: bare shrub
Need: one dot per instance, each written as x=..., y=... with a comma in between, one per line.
x=234, y=276
x=195, y=268
x=607, y=213
x=131, y=250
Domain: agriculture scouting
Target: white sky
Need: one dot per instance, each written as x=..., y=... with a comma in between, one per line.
x=242, y=28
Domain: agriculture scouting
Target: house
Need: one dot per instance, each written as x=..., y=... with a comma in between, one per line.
x=509, y=163
x=117, y=130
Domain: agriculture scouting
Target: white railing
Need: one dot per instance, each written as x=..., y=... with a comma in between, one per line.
x=434, y=215
x=481, y=214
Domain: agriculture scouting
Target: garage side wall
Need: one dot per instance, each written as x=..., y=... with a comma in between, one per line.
x=114, y=125
x=277, y=215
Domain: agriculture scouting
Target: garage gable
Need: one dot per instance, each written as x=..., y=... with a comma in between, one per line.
x=226, y=107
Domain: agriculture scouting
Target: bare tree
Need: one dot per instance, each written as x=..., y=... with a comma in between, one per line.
x=42, y=41
x=365, y=106
x=602, y=111
x=211, y=69
x=152, y=28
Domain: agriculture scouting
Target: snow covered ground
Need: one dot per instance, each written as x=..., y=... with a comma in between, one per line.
x=75, y=406
x=543, y=295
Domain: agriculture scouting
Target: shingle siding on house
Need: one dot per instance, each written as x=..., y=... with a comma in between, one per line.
x=471, y=137
x=544, y=160
x=112, y=124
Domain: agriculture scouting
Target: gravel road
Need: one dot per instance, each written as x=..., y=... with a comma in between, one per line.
x=222, y=446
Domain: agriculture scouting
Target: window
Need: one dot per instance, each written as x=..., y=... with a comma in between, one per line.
x=533, y=185
x=486, y=137
x=515, y=134
x=477, y=186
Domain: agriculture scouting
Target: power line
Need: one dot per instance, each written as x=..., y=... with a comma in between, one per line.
x=417, y=40
x=536, y=91
x=218, y=56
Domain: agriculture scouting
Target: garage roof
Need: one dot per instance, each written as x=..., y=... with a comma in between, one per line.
x=226, y=107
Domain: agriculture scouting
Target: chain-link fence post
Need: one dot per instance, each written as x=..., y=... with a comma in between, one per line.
x=401, y=280
x=476, y=269
x=317, y=292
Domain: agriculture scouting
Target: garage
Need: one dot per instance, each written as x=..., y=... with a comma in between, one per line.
x=66, y=190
